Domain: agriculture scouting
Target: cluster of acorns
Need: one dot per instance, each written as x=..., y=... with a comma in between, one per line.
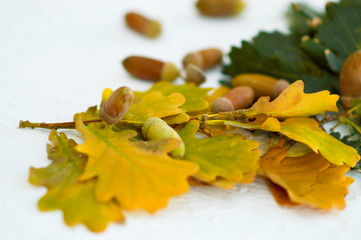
x=246, y=87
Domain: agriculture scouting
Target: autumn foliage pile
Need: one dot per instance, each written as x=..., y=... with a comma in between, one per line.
x=117, y=169
x=160, y=142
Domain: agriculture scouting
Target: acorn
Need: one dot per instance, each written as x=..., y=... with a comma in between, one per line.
x=350, y=79
x=241, y=97
x=194, y=74
x=150, y=69
x=204, y=59
x=279, y=87
x=157, y=129
x=262, y=85
x=220, y=8
x=141, y=24
x=238, y=98
x=117, y=105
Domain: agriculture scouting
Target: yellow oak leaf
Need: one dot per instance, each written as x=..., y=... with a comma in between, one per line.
x=137, y=174
x=228, y=156
x=194, y=96
x=293, y=102
x=306, y=131
x=154, y=104
x=176, y=119
x=76, y=199
x=308, y=180
x=217, y=93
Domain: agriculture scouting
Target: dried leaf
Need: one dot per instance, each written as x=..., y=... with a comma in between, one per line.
x=136, y=174
x=194, y=96
x=293, y=102
x=234, y=158
x=76, y=199
x=308, y=180
x=154, y=104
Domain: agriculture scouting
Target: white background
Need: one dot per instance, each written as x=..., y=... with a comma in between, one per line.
x=56, y=57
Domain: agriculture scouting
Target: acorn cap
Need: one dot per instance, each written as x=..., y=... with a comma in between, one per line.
x=194, y=74
x=154, y=29
x=148, y=123
x=169, y=72
x=222, y=104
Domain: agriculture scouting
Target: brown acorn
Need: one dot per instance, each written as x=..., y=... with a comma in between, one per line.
x=220, y=8
x=194, y=74
x=117, y=105
x=204, y=59
x=279, y=87
x=241, y=97
x=150, y=69
x=350, y=79
x=143, y=25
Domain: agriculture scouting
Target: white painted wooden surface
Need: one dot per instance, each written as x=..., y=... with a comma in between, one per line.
x=56, y=57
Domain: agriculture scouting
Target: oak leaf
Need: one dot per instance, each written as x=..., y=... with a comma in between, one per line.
x=230, y=156
x=306, y=131
x=177, y=119
x=293, y=102
x=308, y=180
x=194, y=96
x=154, y=104
x=137, y=174
x=76, y=199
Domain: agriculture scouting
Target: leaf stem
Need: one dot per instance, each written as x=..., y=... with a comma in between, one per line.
x=354, y=108
x=64, y=125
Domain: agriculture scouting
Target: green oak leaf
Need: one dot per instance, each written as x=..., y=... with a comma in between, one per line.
x=229, y=157
x=194, y=96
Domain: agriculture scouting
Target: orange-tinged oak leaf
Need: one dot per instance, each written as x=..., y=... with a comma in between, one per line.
x=154, y=104
x=137, y=174
x=194, y=96
x=293, y=102
x=279, y=194
x=76, y=199
x=230, y=156
x=308, y=180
